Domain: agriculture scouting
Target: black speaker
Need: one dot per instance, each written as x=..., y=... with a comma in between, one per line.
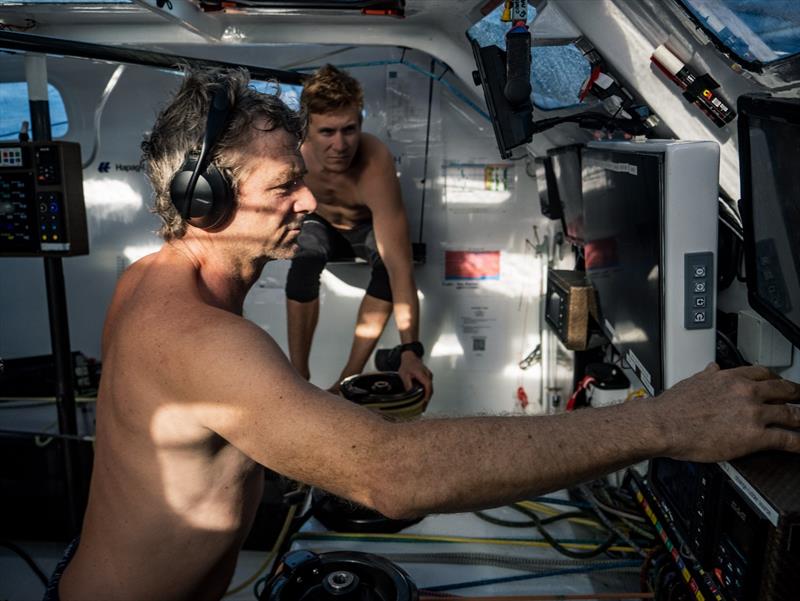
x=199, y=191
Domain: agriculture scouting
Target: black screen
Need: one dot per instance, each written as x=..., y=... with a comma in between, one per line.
x=678, y=482
x=541, y=182
x=548, y=192
x=622, y=229
x=567, y=175
x=769, y=146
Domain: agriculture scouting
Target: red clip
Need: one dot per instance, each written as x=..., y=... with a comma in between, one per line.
x=522, y=397
x=384, y=12
x=582, y=385
x=587, y=85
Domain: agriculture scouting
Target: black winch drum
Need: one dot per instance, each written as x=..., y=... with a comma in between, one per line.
x=338, y=576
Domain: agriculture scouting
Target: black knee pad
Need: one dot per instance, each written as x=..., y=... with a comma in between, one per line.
x=302, y=281
x=379, y=285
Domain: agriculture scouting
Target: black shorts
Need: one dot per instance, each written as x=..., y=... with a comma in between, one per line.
x=319, y=243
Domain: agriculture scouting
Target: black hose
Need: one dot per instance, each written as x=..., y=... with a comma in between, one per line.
x=529, y=523
x=27, y=558
x=599, y=550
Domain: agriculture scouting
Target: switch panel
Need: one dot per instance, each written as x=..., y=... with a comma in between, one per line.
x=698, y=291
x=42, y=212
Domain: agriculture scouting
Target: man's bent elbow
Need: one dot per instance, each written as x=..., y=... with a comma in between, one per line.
x=394, y=495
x=397, y=506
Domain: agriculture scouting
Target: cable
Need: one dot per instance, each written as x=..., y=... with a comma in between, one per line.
x=591, y=120
x=609, y=524
x=415, y=538
x=619, y=512
x=27, y=559
x=13, y=402
x=270, y=556
x=557, y=501
x=23, y=434
x=42, y=441
x=731, y=212
x=528, y=523
x=98, y=113
x=491, y=581
x=594, y=552
x=549, y=511
x=427, y=147
x=498, y=561
x=733, y=347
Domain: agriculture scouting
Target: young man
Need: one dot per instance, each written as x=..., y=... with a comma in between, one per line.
x=359, y=212
x=194, y=397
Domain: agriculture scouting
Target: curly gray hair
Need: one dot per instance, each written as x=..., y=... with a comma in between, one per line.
x=180, y=127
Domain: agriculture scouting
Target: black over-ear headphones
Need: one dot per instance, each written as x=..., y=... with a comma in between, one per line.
x=199, y=191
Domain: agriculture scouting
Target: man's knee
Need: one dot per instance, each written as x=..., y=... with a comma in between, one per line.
x=302, y=281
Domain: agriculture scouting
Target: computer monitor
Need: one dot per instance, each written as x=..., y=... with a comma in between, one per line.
x=650, y=230
x=513, y=125
x=769, y=162
x=566, y=162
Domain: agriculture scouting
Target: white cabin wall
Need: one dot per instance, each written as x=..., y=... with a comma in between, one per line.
x=121, y=228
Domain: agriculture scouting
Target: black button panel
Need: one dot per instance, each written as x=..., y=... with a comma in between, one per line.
x=698, y=290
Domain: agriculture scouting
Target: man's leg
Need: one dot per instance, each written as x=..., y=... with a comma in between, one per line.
x=373, y=314
x=302, y=289
x=301, y=321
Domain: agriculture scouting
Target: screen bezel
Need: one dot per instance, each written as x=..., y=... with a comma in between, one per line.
x=578, y=150
x=786, y=110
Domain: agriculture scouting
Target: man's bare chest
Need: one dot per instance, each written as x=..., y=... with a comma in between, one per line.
x=338, y=192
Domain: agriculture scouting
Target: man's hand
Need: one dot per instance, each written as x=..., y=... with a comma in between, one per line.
x=717, y=415
x=412, y=368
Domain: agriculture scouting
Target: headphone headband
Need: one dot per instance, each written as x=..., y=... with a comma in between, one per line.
x=215, y=125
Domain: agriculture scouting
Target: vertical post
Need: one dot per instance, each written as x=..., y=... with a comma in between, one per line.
x=36, y=74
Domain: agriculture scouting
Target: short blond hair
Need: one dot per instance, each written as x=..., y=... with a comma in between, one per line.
x=330, y=89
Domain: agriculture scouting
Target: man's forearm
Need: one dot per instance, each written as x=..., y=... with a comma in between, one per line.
x=463, y=464
x=406, y=306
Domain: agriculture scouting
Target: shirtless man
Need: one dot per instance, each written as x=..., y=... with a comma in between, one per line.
x=194, y=397
x=359, y=212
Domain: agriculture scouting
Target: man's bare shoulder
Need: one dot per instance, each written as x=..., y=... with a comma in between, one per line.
x=376, y=153
x=158, y=307
x=378, y=185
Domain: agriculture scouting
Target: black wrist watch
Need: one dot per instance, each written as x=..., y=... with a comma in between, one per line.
x=415, y=347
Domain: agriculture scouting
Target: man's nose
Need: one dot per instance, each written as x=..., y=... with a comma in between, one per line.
x=304, y=200
x=339, y=142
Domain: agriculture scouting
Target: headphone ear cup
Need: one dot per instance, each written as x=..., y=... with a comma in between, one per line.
x=214, y=187
x=212, y=201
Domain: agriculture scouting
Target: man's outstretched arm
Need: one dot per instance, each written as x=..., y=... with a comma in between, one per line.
x=381, y=189
x=247, y=392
